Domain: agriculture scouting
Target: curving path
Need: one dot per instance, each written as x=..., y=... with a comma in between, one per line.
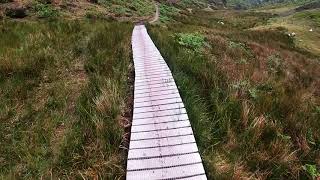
x=162, y=145
x=157, y=14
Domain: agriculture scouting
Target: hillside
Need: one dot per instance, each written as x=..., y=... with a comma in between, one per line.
x=249, y=81
x=263, y=3
x=300, y=20
x=115, y=9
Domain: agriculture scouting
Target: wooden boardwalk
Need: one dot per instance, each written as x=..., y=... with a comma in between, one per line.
x=162, y=145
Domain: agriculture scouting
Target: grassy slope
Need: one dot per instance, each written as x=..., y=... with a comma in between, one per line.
x=270, y=4
x=64, y=88
x=252, y=97
x=103, y=9
x=300, y=23
x=130, y=8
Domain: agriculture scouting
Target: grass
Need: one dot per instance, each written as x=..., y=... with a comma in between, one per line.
x=64, y=98
x=272, y=6
x=313, y=16
x=166, y=12
x=192, y=3
x=251, y=96
x=300, y=23
x=125, y=8
x=45, y=10
x=97, y=9
x=194, y=41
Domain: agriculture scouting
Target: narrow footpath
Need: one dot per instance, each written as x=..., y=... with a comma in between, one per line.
x=162, y=144
x=157, y=14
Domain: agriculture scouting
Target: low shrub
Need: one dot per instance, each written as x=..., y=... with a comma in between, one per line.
x=312, y=170
x=45, y=10
x=194, y=41
x=167, y=12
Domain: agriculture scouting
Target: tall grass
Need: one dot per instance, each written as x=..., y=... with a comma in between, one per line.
x=64, y=86
x=251, y=97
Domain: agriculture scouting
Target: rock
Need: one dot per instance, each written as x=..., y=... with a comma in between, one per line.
x=93, y=1
x=217, y=3
x=16, y=11
x=221, y=22
x=293, y=34
x=5, y=1
x=311, y=30
x=312, y=5
x=45, y=1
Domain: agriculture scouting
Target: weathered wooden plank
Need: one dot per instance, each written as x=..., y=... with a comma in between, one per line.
x=178, y=172
x=154, y=86
x=158, y=108
x=157, y=102
x=159, y=113
x=163, y=119
x=162, y=151
x=157, y=98
x=161, y=133
x=160, y=89
x=153, y=80
x=161, y=162
x=156, y=93
x=161, y=142
x=156, y=126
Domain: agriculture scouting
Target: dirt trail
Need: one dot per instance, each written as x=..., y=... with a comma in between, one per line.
x=157, y=14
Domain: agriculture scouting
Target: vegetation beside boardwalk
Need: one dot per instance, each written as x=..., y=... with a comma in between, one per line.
x=64, y=95
x=251, y=94
x=252, y=97
x=97, y=9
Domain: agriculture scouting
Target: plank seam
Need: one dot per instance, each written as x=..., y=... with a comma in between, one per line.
x=161, y=129
x=154, y=105
x=183, y=177
x=148, y=83
x=157, y=110
x=165, y=167
x=162, y=156
x=159, y=122
x=148, y=86
x=156, y=95
x=169, y=75
x=161, y=90
x=144, y=139
x=156, y=116
x=169, y=145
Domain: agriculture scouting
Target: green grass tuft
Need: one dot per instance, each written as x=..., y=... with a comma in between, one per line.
x=194, y=41
x=167, y=12
x=45, y=10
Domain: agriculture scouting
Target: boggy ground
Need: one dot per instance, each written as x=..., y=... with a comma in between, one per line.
x=252, y=96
